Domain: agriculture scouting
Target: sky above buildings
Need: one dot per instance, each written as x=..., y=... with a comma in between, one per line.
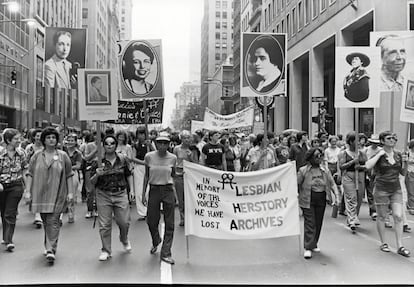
x=178, y=24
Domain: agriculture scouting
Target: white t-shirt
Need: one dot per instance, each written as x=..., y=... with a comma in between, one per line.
x=331, y=154
x=160, y=168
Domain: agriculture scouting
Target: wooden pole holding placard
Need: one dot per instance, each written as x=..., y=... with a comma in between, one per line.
x=265, y=118
x=357, y=147
x=99, y=142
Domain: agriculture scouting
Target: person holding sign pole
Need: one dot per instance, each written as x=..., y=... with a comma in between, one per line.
x=159, y=172
x=388, y=164
x=350, y=160
x=315, y=183
x=111, y=181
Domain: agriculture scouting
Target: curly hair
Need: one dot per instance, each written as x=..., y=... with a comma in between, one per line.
x=49, y=131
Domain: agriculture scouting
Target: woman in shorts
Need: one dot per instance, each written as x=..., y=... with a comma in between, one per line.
x=388, y=164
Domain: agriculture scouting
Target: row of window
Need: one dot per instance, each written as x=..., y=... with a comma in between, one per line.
x=222, y=25
x=299, y=15
x=223, y=14
x=48, y=10
x=221, y=4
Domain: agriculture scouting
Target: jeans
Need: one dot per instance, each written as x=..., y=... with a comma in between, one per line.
x=118, y=204
x=179, y=189
x=353, y=198
x=90, y=191
x=9, y=202
x=51, y=225
x=409, y=183
x=313, y=219
x=164, y=194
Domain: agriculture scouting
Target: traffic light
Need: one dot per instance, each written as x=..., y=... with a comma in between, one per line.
x=13, y=80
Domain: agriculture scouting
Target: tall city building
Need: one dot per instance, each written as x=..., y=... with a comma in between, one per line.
x=216, y=42
x=189, y=93
x=125, y=15
x=46, y=106
x=100, y=18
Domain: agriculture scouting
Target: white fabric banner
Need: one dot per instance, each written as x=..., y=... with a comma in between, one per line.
x=196, y=125
x=241, y=205
x=214, y=121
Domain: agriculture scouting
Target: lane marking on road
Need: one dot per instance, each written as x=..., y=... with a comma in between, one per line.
x=369, y=238
x=165, y=268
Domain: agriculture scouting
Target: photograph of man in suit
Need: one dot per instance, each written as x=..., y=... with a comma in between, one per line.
x=266, y=64
x=409, y=103
x=57, y=68
x=95, y=91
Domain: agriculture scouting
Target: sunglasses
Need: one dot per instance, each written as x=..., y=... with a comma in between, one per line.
x=391, y=138
x=109, y=143
x=318, y=155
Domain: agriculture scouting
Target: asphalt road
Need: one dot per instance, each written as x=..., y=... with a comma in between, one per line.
x=345, y=258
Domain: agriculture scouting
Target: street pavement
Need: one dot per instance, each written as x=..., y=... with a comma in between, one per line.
x=345, y=258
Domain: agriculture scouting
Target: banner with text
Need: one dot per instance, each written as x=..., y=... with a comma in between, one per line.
x=237, y=205
x=214, y=121
x=133, y=112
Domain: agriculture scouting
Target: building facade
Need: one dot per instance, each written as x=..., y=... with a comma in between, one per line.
x=314, y=29
x=100, y=18
x=50, y=106
x=125, y=15
x=216, y=42
x=189, y=94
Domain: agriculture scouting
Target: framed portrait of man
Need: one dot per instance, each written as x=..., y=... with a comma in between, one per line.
x=65, y=53
x=263, y=71
x=140, y=69
x=97, y=95
x=409, y=98
x=98, y=88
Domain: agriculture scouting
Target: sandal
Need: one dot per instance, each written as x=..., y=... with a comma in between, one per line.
x=403, y=251
x=384, y=247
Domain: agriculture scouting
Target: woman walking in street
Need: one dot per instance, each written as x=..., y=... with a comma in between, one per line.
x=159, y=172
x=31, y=149
x=76, y=160
x=13, y=164
x=111, y=181
x=352, y=160
x=140, y=149
x=315, y=184
x=229, y=154
x=50, y=186
x=388, y=164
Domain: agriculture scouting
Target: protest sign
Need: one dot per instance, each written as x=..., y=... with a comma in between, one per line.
x=133, y=112
x=98, y=99
x=140, y=69
x=214, y=121
x=196, y=125
x=407, y=102
x=237, y=205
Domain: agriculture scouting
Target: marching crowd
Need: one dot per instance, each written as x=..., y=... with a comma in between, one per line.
x=56, y=173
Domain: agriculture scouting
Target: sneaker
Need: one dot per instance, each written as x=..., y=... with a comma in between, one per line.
x=10, y=247
x=88, y=214
x=406, y=228
x=307, y=254
x=374, y=216
x=168, y=260
x=104, y=256
x=128, y=247
x=142, y=218
x=317, y=249
x=154, y=248
x=3, y=242
x=353, y=227
x=50, y=257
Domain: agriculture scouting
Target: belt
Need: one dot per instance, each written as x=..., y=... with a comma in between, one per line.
x=113, y=189
x=157, y=185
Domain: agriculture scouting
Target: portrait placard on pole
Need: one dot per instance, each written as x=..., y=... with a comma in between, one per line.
x=98, y=98
x=263, y=66
x=140, y=70
x=134, y=112
x=407, y=103
x=65, y=53
x=356, y=77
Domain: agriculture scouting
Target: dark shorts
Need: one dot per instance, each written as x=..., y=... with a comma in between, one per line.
x=385, y=197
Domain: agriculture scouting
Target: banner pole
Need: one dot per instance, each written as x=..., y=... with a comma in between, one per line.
x=357, y=147
x=98, y=142
x=265, y=117
x=187, y=243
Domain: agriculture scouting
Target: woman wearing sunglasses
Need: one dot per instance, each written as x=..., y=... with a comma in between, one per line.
x=315, y=184
x=111, y=181
x=388, y=164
